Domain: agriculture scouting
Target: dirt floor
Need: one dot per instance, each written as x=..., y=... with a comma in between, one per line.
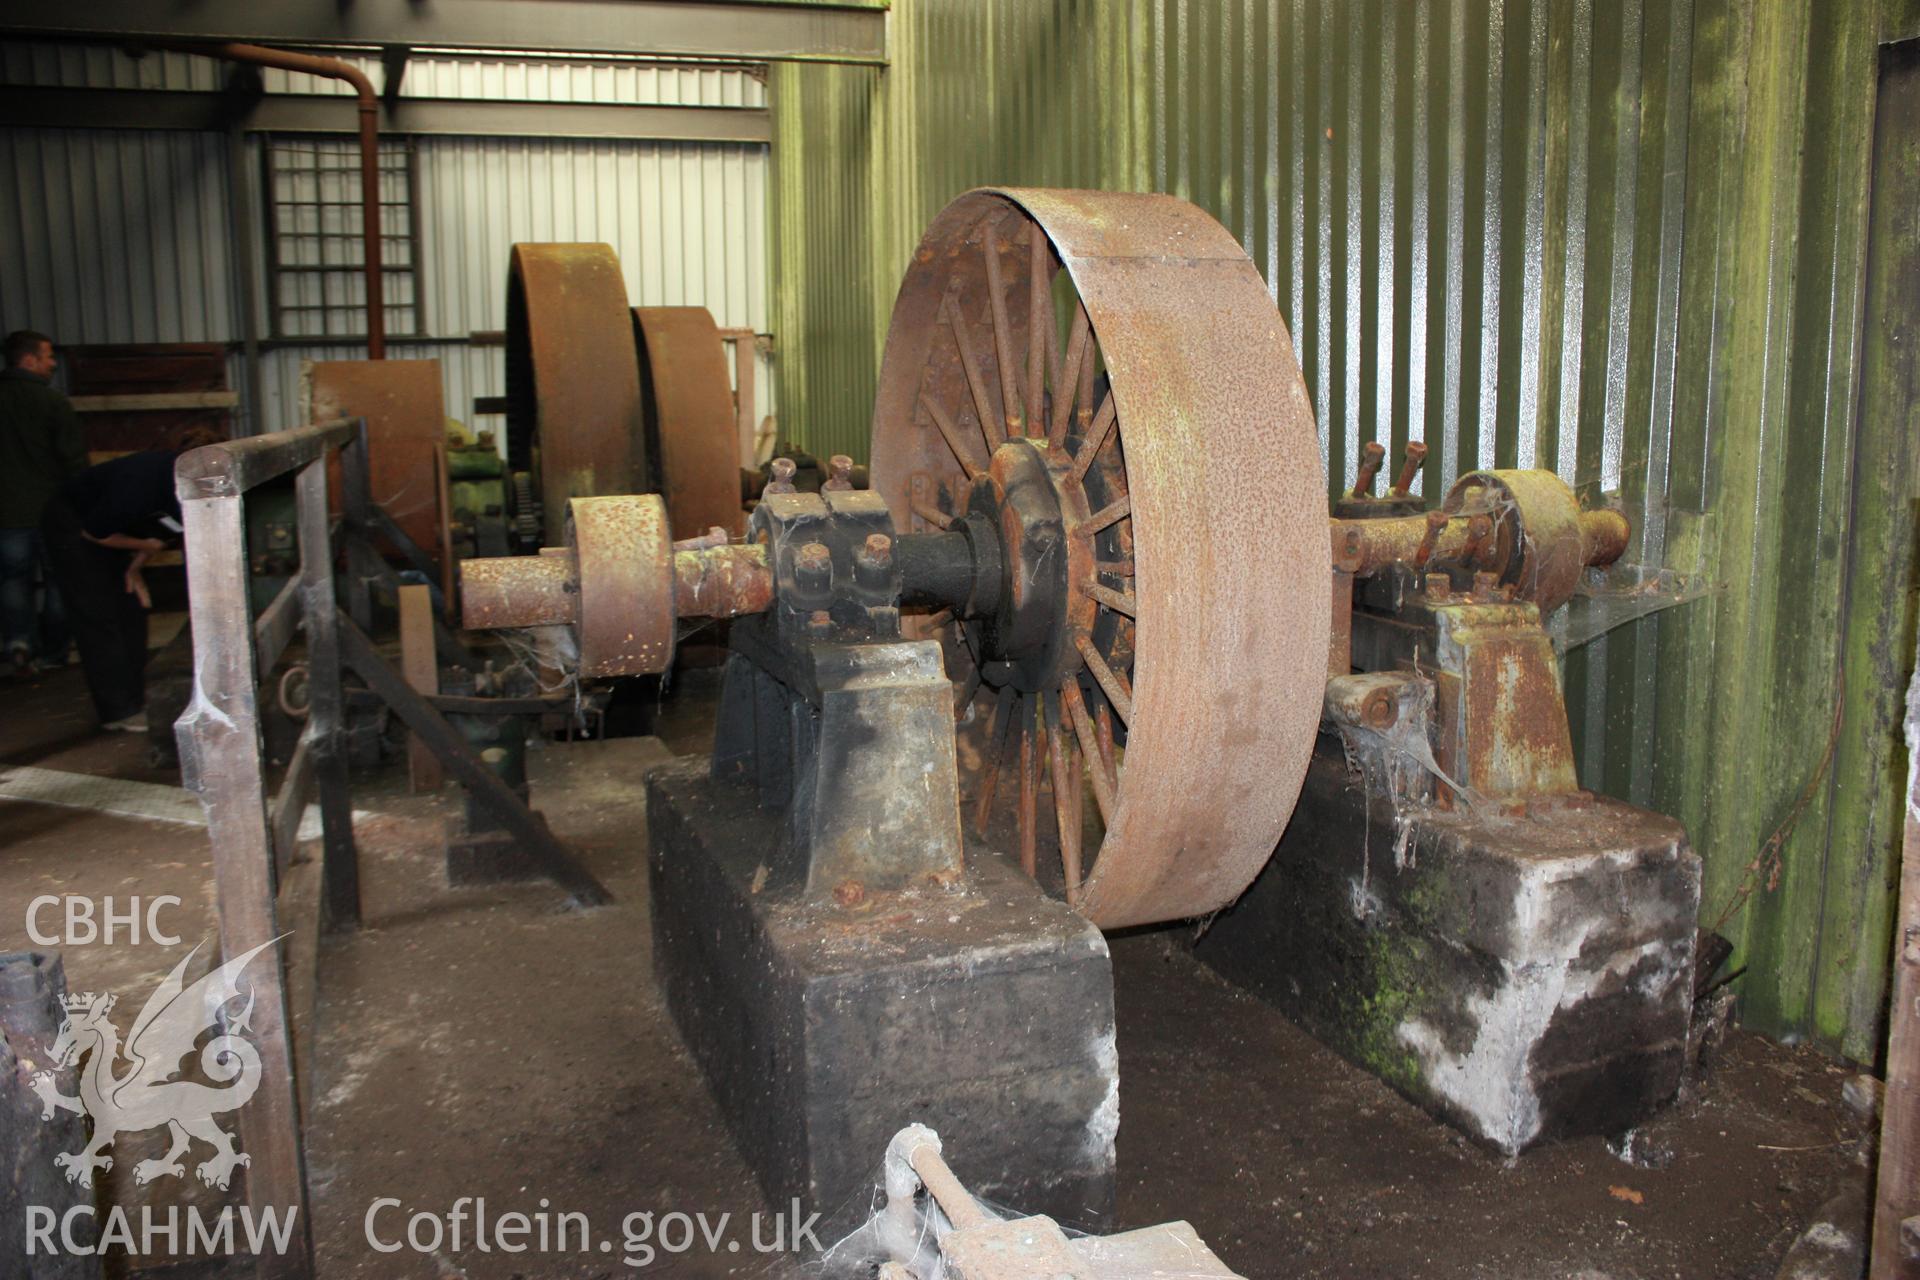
x=491, y=1043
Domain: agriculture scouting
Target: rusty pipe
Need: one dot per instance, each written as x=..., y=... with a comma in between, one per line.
x=336, y=69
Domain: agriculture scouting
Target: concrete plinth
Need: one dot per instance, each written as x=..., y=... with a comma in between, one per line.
x=984, y=1010
x=1522, y=977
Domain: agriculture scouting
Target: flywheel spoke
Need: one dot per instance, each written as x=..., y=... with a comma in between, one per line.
x=1002, y=332
x=1096, y=437
x=1111, y=682
x=951, y=434
x=1029, y=791
x=1066, y=810
x=1039, y=322
x=976, y=382
x=1006, y=706
x=1099, y=769
x=1063, y=403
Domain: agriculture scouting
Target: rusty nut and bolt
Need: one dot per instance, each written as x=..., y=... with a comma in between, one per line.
x=840, y=474
x=1439, y=587
x=813, y=564
x=782, y=470
x=1486, y=584
x=876, y=552
x=1415, y=456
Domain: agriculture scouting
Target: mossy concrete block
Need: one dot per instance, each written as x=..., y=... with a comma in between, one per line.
x=1523, y=977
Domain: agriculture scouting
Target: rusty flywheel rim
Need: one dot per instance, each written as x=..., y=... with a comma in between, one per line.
x=687, y=399
x=1191, y=656
x=573, y=383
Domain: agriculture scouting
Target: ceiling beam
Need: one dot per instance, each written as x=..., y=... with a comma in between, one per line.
x=27, y=107
x=741, y=30
x=393, y=61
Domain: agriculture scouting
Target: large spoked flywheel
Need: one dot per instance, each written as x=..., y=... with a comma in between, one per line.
x=1137, y=427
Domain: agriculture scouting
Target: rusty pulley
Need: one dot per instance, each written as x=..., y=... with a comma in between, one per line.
x=1123, y=351
x=573, y=386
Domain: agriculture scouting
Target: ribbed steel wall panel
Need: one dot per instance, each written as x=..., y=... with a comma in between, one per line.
x=1624, y=241
x=128, y=237
x=116, y=237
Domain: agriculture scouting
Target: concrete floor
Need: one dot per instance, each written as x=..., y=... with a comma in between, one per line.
x=490, y=1043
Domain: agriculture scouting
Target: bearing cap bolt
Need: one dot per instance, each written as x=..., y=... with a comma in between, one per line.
x=1485, y=584
x=877, y=552
x=1439, y=588
x=782, y=470
x=1371, y=456
x=841, y=478
x=813, y=564
x=1436, y=521
x=1416, y=455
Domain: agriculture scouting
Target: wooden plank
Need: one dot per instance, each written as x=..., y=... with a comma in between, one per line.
x=290, y=802
x=1896, y=1247
x=156, y=400
x=219, y=737
x=422, y=670
x=465, y=765
x=274, y=628
x=327, y=707
x=234, y=466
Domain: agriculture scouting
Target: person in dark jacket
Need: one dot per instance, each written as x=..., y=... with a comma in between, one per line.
x=100, y=530
x=41, y=448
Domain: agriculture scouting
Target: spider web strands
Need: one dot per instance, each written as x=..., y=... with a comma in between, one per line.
x=1002, y=330
x=1117, y=601
x=951, y=434
x=1111, y=682
x=1121, y=568
x=970, y=365
x=1096, y=437
x=1099, y=763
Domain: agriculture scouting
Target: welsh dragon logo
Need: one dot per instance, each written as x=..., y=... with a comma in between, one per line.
x=146, y=1095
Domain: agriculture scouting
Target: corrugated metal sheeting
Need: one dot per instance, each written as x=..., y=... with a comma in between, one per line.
x=129, y=236
x=1625, y=241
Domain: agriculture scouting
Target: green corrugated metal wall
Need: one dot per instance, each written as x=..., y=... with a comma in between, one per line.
x=1624, y=240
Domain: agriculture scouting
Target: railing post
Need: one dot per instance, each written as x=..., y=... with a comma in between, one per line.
x=219, y=737
x=356, y=493
x=340, y=867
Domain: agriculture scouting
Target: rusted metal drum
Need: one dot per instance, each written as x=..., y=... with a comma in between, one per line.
x=687, y=401
x=1158, y=381
x=623, y=554
x=573, y=386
